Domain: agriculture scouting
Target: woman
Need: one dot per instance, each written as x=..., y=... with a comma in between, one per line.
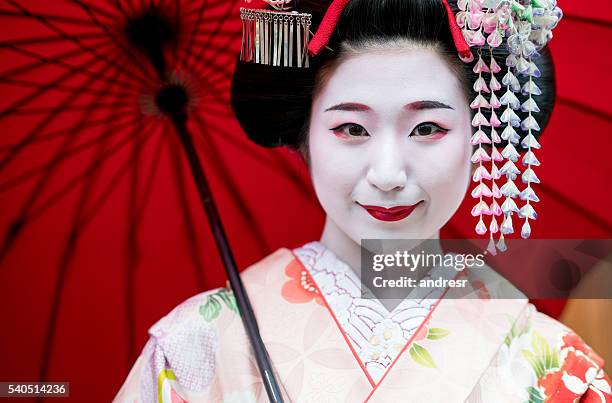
x=382, y=118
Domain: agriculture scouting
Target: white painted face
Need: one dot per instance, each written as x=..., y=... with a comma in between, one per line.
x=389, y=145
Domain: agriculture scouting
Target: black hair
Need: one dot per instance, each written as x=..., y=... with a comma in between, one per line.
x=273, y=103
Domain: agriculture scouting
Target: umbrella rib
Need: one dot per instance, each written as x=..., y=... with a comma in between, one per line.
x=221, y=73
x=264, y=159
x=281, y=165
x=139, y=210
x=219, y=25
x=120, y=8
x=226, y=33
x=40, y=60
x=115, y=40
x=211, y=5
x=298, y=181
x=62, y=132
x=109, y=189
x=133, y=255
x=224, y=70
x=75, y=40
x=183, y=61
x=77, y=227
x=589, y=110
x=587, y=20
x=71, y=69
x=214, y=158
x=214, y=91
x=53, y=134
x=51, y=17
x=190, y=232
x=226, y=75
x=45, y=166
x=100, y=11
x=132, y=8
x=15, y=229
x=454, y=232
x=40, y=126
x=46, y=39
x=256, y=153
x=591, y=217
x=148, y=187
x=177, y=24
x=64, y=88
x=58, y=195
x=13, y=108
x=72, y=108
x=133, y=252
x=54, y=198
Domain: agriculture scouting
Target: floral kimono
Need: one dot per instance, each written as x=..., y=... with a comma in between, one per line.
x=327, y=344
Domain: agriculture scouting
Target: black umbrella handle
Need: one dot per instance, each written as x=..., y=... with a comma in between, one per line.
x=242, y=299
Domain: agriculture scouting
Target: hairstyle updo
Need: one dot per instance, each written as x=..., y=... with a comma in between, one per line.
x=273, y=103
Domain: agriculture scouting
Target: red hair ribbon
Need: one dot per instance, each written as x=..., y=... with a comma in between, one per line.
x=462, y=46
x=327, y=26
x=332, y=15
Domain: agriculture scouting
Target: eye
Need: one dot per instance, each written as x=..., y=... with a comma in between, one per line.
x=429, y=130
x=350, y=130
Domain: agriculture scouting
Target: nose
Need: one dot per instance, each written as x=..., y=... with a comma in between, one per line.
x=387, y=168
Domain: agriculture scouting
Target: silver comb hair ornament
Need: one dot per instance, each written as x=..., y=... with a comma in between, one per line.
x=275, y=38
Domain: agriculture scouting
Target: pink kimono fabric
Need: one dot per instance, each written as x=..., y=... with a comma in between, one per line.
x=465, y=350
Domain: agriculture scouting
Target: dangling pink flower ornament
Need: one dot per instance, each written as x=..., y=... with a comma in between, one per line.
x=527, y=27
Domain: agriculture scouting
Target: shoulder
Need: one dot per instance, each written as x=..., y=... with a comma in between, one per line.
x=195, y=312
x=183, y=344
x=202, y=310
x=561, y=366
x=180, y=356
x=209, y=304
x=186, y=346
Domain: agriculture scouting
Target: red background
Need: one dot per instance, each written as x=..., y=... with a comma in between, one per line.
x=90, y=348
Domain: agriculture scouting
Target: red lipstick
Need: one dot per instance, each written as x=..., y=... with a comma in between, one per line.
x=390, y=214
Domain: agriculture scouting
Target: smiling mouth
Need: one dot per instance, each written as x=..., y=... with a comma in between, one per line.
x=396, y=213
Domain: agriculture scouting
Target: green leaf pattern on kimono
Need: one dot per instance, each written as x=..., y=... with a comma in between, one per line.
x=421, y=356
x=516, y=331
x=535, y=396
x=228, y=297
x=542, y=357
x=418, y=353
x=212, y=307
x=436, y=333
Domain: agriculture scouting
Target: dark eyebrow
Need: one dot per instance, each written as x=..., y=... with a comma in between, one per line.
x=415, y=106
x=421, y=105
x=349, y=107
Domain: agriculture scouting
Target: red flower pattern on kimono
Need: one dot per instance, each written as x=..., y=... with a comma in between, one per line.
x=300, y=288
x=422, y=332
x=580, y=376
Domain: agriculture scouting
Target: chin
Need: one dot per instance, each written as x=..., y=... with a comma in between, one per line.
x=399, y=233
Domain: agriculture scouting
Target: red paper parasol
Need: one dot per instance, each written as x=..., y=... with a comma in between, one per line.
x=110, y=111
x=101, y=228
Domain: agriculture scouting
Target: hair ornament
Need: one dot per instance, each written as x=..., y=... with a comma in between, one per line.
x=527, y=27
x=276, y=37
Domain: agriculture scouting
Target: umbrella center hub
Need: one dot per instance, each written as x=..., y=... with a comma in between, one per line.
x=172, y=100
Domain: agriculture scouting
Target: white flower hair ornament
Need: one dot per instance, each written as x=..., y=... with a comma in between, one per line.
x=526, y=27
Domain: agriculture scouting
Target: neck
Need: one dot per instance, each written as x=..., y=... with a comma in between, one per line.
x=336, y=240
x=349, y=251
